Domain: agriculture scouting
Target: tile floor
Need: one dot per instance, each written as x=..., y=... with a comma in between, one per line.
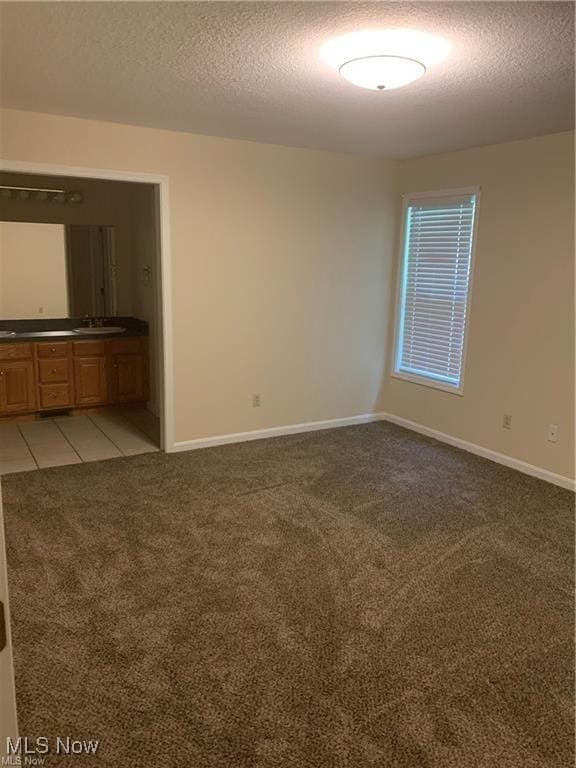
x=73, y=439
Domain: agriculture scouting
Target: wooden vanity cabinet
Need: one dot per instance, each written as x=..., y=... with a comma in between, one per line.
x=45, y=376
x=17, y=390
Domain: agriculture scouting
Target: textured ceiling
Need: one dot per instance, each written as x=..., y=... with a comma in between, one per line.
x=251, y=70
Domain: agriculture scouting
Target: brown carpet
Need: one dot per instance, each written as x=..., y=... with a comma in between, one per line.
x=343, y=599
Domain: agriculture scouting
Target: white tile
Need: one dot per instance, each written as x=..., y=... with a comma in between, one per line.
x=75, y=425
x=52, y=459
x=129, y=438
x=115, y=422
x=91, y=442
x=11, y=440
x=45, y=449
x=136, y=449
x=9, y=431
x=15, y=450
x=145, y=421
x=112, y=418
x=99, y=454
x=87, y=440
x=123, y=434
x=13, y=445
x=43, y=433
x=95, y=448
x=74, y=439
x=10, y=466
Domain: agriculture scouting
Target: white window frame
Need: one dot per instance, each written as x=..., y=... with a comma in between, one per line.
x=407, y=199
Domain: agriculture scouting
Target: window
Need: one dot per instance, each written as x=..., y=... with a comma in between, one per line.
x=435, y=287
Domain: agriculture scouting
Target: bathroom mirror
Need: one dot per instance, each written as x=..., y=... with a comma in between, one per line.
x=56, y=271
x=91, y=271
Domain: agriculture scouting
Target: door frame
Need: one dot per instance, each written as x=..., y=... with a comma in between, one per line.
x=161, y=183
x=8, y=713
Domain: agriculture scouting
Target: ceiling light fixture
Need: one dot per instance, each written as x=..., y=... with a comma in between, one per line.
x=382, y=72
x=384, y=59
x=8, y=192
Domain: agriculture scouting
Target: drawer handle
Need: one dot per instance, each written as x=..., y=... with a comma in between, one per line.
x=53, y=370
x=53, y=349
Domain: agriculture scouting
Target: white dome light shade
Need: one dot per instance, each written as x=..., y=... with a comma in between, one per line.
x=400, y=55
x=382, y=72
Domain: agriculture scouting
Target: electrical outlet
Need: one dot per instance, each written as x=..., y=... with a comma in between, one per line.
x=552, y=433
x=256, y=402
x=507, y=421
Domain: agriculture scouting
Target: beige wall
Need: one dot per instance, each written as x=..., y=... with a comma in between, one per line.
x=280, y=261
x=521, y=335
x=32, y=271
x=282, y=266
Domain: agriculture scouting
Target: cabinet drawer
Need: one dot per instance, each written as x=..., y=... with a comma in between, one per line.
x=89, y=348
x=55, y=395
x=60, y=349
x=53, y=371
x=15, y=351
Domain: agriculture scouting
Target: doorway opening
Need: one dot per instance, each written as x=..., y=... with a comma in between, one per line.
x=93, y=338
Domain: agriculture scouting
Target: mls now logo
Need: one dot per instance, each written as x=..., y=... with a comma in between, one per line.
x=32, y=749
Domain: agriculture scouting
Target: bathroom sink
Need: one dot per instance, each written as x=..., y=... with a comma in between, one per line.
x=99, y=330
x=5, y=334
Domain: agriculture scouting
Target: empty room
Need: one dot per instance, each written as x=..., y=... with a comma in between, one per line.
x=287, y=407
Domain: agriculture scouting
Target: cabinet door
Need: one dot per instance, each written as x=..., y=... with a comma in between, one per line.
x=128, y=377
x=90, y=380
x=17, y=391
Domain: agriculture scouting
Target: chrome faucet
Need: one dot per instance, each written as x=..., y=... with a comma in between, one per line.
x=94, y=322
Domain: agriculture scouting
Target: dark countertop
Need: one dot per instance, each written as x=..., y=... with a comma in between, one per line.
x=61, y=329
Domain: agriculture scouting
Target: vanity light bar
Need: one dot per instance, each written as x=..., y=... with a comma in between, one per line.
x=40, y=193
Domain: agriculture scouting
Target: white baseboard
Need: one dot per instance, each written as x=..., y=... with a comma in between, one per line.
x=365, y=418
x=499, y=458
x=261, y=434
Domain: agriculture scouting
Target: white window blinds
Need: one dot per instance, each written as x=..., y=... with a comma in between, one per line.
x=435, y=281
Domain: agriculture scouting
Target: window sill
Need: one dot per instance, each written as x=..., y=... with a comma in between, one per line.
x=426, y=382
